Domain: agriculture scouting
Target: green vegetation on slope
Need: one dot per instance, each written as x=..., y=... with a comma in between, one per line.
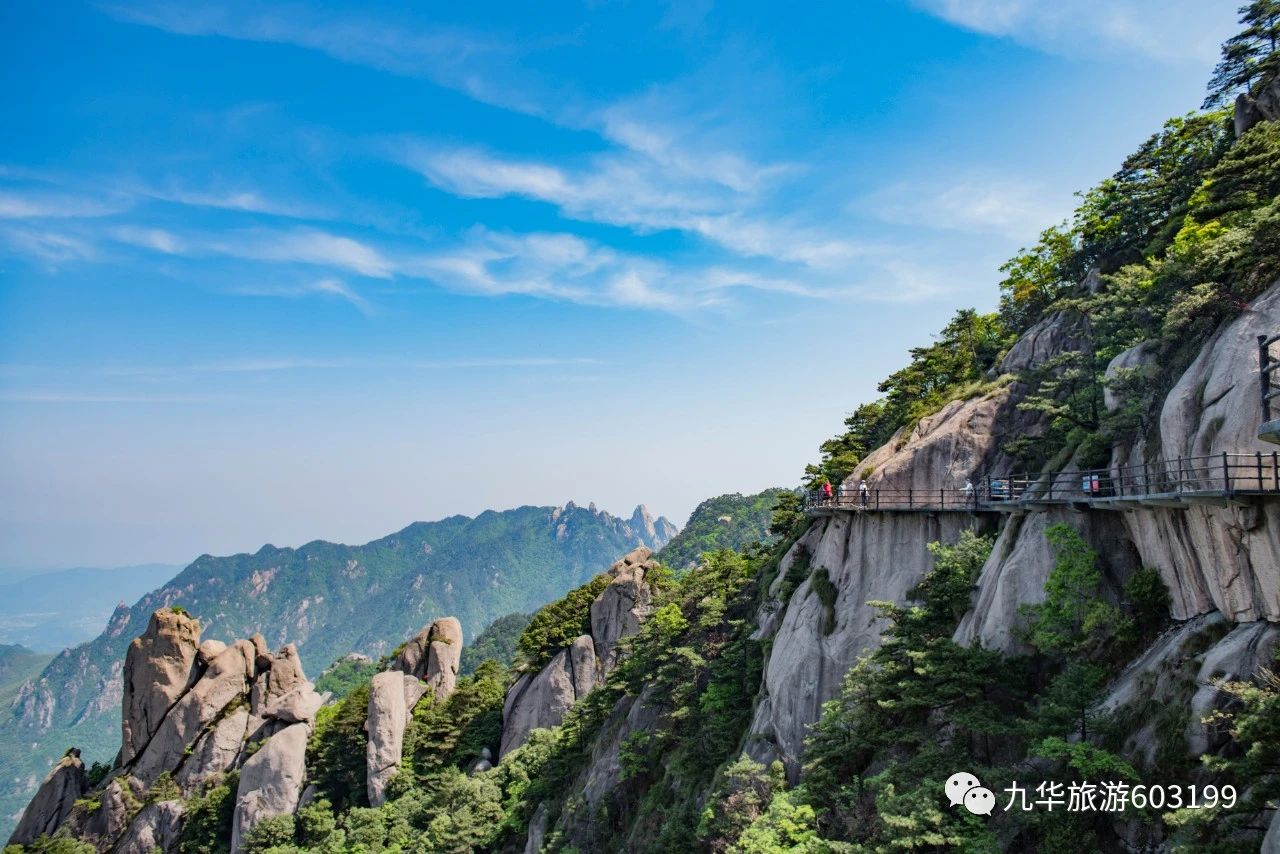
x=498, y=642
x=724, y=522
x=17, y=665
x=346, y=674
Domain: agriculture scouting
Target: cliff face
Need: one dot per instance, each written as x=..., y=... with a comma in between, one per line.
x=1220, y=564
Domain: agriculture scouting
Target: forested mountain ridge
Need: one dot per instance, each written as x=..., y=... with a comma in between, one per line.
x=725, y=522
x=329, y=600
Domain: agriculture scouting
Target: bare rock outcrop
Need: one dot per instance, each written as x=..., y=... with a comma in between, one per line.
x=156, y=828
x=227, y=680
x=540, y=700
x=434, y=655
x=159, y=668
x=193, y=711
x=603, y=773
x=618, y=611
x=828, y=624
x=54, y=800
x=1216, y=558
x=1015, y=573
x=1045, y=339
x=271, y=781
x=392, y=696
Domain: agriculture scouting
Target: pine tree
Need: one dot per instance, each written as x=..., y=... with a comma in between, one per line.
x=1249, y=59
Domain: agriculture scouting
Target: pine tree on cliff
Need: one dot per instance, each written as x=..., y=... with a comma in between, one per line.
x=1250, y=59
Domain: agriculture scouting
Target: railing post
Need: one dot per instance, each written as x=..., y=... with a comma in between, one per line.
x=1264, y=378
x=942, y=497
x=877, y=498
x=1146, y=477
x=1275, y=470
x=910, y=500
x=1180, y=474
x=1226, y=473
x=1259, y=471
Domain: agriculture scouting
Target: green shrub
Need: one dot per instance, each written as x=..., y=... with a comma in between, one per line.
x=555, y=626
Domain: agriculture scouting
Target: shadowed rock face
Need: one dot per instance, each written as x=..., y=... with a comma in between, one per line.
x=1216, y=558
x=159, y=668
x=541, y=699
x=271, y=781
x=53, y=802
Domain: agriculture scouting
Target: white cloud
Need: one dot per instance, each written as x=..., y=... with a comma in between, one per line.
x=50, y=247
x=632, y=190
x=1165, y=30
x=269, y=286
x=297, y=246
x=448, y=56
x=979, y=204
x=45, y=204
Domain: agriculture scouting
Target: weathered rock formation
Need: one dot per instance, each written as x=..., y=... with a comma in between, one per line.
x=541, y=699
x=392, y=696
x=52, y=804
x=159, y=668
x=271, y=781
x=433, y=655
x=428, y=664
x=192, y=712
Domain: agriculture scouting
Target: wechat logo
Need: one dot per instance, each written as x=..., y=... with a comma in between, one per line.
x=964, y=788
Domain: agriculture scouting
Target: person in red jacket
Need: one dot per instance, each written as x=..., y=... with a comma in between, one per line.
x=826, y=492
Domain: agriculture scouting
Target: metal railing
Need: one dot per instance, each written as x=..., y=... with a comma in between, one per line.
x=1204, y=476
x=1266, y=367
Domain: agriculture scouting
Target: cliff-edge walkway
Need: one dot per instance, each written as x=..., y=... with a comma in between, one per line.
x=1219, y=480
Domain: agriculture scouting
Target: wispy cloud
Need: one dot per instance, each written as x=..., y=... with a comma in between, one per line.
x=1164, y=30
x=297, y=246
x=289, y=364
x=323, y=287
x=51, y=248
x=632, y=190
x=46, y=204
x=979, y=204
x=448, y=56
x=90, y=397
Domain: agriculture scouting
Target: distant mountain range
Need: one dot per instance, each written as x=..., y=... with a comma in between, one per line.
x=50, y=611
x=327, y=598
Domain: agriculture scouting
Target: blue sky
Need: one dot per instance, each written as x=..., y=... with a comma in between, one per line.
x=271, y=273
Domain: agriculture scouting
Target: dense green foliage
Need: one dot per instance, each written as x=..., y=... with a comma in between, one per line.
x=920, y=707
x=336, y=751
x=725, y=522
x=556, y=625
x=346, y=675
x=207, y=827
x=498, y=642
